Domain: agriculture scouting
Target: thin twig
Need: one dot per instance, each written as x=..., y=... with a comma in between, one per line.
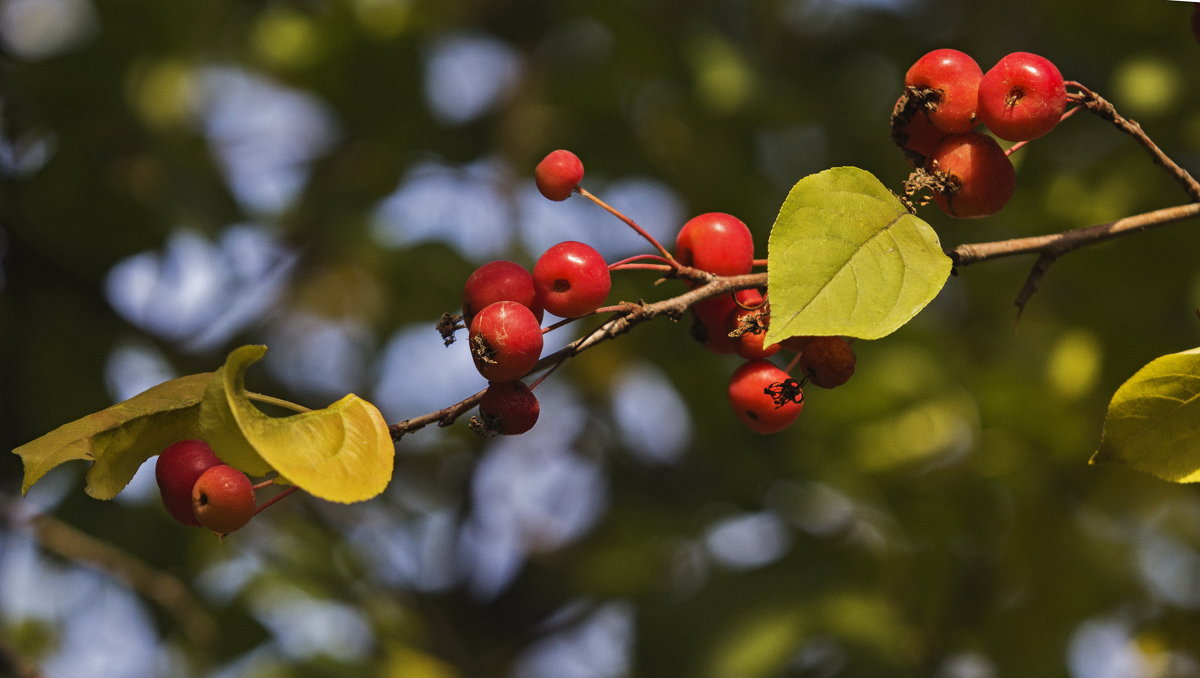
x=630, y=222
x=443, y=417
x=1021, y=144
x=1066, y=241
x=1101, y=107
x=1031, y=281
x=640, y=257
x=629, y=315
x=277, y=498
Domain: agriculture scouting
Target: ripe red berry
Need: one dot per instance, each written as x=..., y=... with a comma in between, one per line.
x=828, y=362
x=508, y=408
x=223, y=499
x=506, y=341
x=1022, y=97
x=764, y=397
x=750, y=343
x=981, y=177
x=558, y=174
x=716, y=242
x=917, y=137
x=177, y=469
x=571, y=279
x=954, y=78
x=714, y=320
x=499, y=281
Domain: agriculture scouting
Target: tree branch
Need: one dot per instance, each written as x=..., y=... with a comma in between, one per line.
x=629, y=315
x=1057, y=244
x=1101, y=107
x=1048, y=248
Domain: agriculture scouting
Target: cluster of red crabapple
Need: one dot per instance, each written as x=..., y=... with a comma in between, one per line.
x=947, y=95
x=199, y=489
x=503, y=305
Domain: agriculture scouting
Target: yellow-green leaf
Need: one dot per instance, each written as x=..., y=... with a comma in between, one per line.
x=1153, y=420
x=846, y=257
x=218, y=420
x=119, y=438
x=341, y=453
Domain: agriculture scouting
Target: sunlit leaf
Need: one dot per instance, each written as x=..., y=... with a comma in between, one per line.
x=119, y=438
x=341, y=453
x=847, y=258
x=218, y=420
x=1153, y=420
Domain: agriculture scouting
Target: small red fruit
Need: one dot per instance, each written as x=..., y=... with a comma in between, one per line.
x=827, y=361
x=981, y=176
x=917, y=137
x=750, y=343
x=571, y=279
x=558, y=174
x=508, y=408
x=954, y=78
x=223, y=499
x=177, y=469
x=714, y=320
x=499, y=281
x=764, y=397
x=1022, y=97
x=716, y=242
x=506, y=341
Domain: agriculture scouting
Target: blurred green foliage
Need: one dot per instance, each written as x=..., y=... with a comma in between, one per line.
x=936, y=516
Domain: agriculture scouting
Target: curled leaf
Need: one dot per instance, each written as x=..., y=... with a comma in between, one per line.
x=341, y=453
x=1153, y=420
x=118, y=439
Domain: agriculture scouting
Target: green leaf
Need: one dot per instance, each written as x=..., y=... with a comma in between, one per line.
x=847, y=258
x=119, y=438
x=1153, y=420
x=341, y=453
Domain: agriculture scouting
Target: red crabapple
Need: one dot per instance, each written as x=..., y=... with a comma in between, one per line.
x=508, y=408
x=506, y=341
x=558, y=174
x=716, y=242
x=750, y=395
x=499, y=281
x=571, y=279
x=223, y=499
x=749, y=343
x=714, y=317
x=917, y=136
x=954, y=77
x=981, y=177
x=1022, y=97
x=828, y=362
x=177, y=469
